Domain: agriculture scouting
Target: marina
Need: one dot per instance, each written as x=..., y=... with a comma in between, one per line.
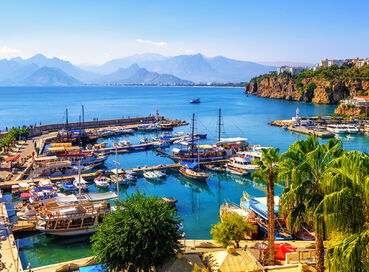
x=198, y=202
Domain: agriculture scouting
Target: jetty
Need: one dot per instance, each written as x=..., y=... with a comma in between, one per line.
x=322, y=133
x=10, y=260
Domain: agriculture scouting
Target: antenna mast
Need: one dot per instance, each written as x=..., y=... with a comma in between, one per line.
x=83, y=117
x=220, y=124
x=193, y=131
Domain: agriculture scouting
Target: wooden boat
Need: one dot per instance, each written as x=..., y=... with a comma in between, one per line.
x=72, y=220
x=236, y=170
x=201, y=176
x=214, y=168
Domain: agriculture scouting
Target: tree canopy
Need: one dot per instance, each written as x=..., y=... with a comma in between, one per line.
x=139, y=235
x=233, y=227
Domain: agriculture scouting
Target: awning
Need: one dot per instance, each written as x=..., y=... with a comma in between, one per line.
x=12, y=158
x=237, y=139
x=46, y=158
x=189, y=164
x=46, y=188
x=101, y=196
x=24, y=184
x=206, y=146
x=26, y=195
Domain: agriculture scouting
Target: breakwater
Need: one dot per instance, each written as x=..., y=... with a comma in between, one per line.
x=38, y=130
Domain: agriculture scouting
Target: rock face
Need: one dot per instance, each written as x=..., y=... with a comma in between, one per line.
x=350, y=111
x=320, y=92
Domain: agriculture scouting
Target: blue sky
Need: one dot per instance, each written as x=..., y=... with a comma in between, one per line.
x=94, y=31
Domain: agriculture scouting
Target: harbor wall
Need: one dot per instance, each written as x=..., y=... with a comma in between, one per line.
x=94, y=124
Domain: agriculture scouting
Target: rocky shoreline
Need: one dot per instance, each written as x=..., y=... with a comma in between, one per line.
x=310, y=90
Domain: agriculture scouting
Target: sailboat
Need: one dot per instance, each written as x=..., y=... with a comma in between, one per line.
x=188, y=169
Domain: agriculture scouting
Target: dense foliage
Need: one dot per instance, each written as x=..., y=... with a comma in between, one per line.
x=139, y=235
x=345, y=72
x=233, y=227
x=12, y=135
x=326, y=189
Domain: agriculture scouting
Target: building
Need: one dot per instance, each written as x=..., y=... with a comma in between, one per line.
x=360, y=62
x=327, y=63
x=291, y=70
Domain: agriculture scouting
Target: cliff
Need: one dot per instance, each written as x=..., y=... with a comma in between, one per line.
x=324, y=86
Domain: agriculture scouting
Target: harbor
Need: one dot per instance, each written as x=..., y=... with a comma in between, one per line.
x=198, y=202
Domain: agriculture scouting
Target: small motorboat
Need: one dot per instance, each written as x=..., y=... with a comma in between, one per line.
x=214, y=168
x=144, y=140
x=160, y=174
x=162, y=143
x=80, y=183
x=101, y=182
x=125, y=143
x=195, y=101
x=131, y=176
x=68, y=186
x=150, y=175
x=236, y=171
x=121, y=179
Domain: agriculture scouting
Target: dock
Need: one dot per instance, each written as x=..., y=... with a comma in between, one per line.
x=89, y=176
x=310, y=131
x=10, y=260
x=22, y=226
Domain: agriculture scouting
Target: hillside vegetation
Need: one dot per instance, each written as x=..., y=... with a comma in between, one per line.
x=326, y=85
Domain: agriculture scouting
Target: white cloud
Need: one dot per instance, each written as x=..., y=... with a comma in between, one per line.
x=189, y=51
x=7, y=51
x=160, y=44
x=63, y=57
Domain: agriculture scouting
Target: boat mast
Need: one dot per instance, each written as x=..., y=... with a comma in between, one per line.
x=66, y=119
x=219, y=124
x=116, y=168
x=192, y=131
x=198, y=155
x=79, y=180
x=83, y=117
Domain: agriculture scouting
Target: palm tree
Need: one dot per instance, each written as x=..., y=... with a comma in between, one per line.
x=305, y=165
x=268, y=172
x=346, y=212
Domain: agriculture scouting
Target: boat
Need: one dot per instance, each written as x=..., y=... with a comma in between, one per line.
x=187, y=170
x=160, y=174
x=80, y=182
x=150, y=175
x=215, y=168
x=236, y=170
x=121, y=179
x=162, y=143
x=195, y=101
x=257, y=207
x=68, y=186
x=337, y=129
x=131, y=176
x=84, y=159
x=72, y=220
x=101, y=182
x=144, y=140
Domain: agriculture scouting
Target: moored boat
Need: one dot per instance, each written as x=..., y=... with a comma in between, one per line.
x=195, y=101
x=101, y=182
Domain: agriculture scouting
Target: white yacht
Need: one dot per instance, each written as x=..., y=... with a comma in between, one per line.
x=80, y=183
x=101, y=182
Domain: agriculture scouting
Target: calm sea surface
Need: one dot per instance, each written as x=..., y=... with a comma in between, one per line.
x=198, y=203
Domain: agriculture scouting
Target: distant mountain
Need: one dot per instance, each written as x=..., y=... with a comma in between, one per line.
x=74, y=71
x=197, y=68
x=50, y=76
x=136, y=75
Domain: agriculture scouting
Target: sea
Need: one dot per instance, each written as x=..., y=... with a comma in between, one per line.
x=198, y=203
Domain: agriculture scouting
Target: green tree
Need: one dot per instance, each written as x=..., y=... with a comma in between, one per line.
x=305, y=165
x=139, y=235
x=346, y=212
x=268, y=172
x=233, y=227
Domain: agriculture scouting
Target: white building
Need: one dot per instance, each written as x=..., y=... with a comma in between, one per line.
x=327, y=63
x=291, y=70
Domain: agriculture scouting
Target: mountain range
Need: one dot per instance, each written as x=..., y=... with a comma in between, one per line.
x=40, y=70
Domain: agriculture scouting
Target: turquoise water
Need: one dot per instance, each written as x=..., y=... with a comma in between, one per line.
x=198, y=203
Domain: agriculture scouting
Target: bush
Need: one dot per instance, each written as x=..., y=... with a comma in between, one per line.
x=139, y=235
x=233, y=227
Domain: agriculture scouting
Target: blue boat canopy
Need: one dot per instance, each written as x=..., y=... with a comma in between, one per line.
x=189, y=164
x=46, y=188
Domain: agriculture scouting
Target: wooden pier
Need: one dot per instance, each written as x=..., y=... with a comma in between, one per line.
x=22, y=226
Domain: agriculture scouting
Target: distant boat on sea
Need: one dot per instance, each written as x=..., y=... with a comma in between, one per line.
x=195, y=101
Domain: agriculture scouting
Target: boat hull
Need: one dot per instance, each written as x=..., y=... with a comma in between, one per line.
x=69, y=232
x=195, y=177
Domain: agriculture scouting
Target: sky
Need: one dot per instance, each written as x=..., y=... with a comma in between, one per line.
x=95, y=31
